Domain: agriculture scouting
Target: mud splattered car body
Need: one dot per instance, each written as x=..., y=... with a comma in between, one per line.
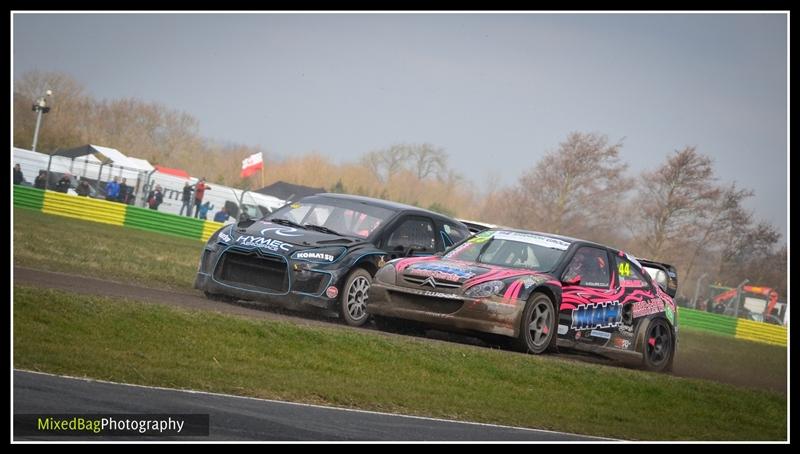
x=540, y=290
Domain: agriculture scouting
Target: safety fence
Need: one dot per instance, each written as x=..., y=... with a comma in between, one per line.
x=113, y=213
x=733, y=327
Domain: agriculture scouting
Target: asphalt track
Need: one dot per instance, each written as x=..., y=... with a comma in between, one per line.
x=247, y=419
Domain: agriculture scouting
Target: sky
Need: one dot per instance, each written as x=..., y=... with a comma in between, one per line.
x=496, y=91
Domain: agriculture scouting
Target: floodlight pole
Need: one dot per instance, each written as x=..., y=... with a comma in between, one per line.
x=40, y=107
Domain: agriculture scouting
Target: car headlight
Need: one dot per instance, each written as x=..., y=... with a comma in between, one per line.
x=485, y=289
x=387, y=274
x=321, y=255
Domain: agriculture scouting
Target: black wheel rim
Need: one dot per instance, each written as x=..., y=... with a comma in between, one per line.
x=658, y=343
x=539, y=325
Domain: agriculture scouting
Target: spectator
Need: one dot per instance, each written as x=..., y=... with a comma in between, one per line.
x=187, y=200
x=203, y=210
x=199, y=190
x=83, y=188
x=221, y=216
x=123, y=191
x=64, y=183
x=41, y=180
x=18, y=177
x=112, y=189
x=154, y=198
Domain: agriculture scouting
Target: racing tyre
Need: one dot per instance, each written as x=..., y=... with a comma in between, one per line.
x=659, y=346
x=537, y=331
x=353, y=301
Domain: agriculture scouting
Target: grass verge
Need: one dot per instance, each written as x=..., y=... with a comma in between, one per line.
x=156, y=345
x=57, y=243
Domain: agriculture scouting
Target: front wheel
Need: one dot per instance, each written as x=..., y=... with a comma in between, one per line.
x=537, y=331
x=659, y=345
x=353, y=303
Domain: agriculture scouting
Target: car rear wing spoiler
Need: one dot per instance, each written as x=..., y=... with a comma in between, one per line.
x=668, y=280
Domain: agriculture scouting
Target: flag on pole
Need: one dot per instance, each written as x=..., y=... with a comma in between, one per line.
x=252, y=164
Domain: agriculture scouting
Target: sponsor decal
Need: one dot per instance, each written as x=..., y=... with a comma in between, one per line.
x=648, y=307
x=264, y=243
x=669, y=313
x=552, y=243
x=631, y=283
x=332, y=292
x=601, y=334
x=440, y=271
x=282, y=231
x=314, y=256
x=531, y=281
x=295, y=205
x=625, y=330
x=624, y=344
x=224, y=237
x=562, y=329
x=600, y=315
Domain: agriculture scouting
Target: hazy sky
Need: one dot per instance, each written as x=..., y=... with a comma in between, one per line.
x=494, y=90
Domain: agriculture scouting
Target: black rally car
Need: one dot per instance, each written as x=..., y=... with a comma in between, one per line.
x=321, y=251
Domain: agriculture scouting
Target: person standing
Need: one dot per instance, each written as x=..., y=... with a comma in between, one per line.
x=64, y=183
x=123, y=191
x=41, y=180
x=83, y=188
x=112, y=189
x=18, y=177
x=155, y=197
x=199, y=191
x=204, y=209
x=187, y=199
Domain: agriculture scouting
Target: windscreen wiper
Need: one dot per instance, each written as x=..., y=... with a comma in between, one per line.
x=323, y=229
x=286, y=222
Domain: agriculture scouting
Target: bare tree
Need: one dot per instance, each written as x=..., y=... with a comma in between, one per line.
x=673, y=198
x=428, y=160
x=575, y=189
x=725, y=221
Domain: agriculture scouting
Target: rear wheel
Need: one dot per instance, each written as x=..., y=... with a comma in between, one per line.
x=659, y=345
x=353, y=302
x=537, y=331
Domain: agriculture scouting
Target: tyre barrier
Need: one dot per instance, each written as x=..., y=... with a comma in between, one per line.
x=738, y=328
x=113, y=213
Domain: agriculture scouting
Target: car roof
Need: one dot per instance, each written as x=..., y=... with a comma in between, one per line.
x=389, y=205
x=558, y=237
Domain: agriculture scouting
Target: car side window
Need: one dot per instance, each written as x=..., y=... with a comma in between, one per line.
x=591, y=265
x=629, y=274
x=452, y=234
x=417, y=233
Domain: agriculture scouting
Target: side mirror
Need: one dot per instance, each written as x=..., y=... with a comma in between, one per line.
x=574, y=281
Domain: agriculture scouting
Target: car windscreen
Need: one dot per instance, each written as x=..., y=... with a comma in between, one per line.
x=341, y=216
x=511, y=249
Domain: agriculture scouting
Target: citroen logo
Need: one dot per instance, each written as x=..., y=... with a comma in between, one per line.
x=429, y=281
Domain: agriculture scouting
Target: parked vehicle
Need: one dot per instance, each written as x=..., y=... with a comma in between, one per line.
x=321, y=251
x=541, y=291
